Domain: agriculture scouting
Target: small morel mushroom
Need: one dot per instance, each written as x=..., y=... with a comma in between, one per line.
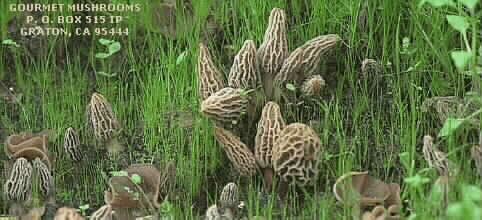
x=243, y=73
x=226, y=105
x=476, y=153
x=371, y=65
x=312, y=86
x=103, y=213
x=210, y=79
x=296, y=156
x=19, y=184
x=274, y=49
x=437, y=159
x=238, y=153
x=269, y=128
x=229, y=197
x=104, y=123
x=66, y=213
x=72, y=145
x=212, y=213
x=44, y=177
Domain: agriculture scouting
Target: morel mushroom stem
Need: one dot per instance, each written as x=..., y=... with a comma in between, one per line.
x=268, y=179
x=283, y=188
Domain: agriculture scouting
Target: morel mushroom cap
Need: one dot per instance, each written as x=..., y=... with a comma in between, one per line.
x=229, y=196
x=226, y=105
x=42, y=171
x=103, y=213
x=312, y=86
x=238, y=153
x=274, y=49
x=101, y=118
x=296, y=154
x=305, y=60
x=66, y=213
x=72, y=145
x=361, y=188
x=269, y=128
x=29, y=146
x=244, y=74
x=19, y=183
x=212, y=213
x=209, y=80
x=437, y=159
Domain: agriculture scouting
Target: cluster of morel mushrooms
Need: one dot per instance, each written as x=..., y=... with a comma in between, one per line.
x=30, y=184
x=264, y=77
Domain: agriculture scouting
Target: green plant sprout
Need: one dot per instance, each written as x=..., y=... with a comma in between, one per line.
x=10, y=42
x=112, y=47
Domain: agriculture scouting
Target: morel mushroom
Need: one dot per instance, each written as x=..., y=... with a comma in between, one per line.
x=44, y=177
x=103, y=213
x=104, y=123
x=212, y=213
x=209, y=80
x=269, y=128
x=312, y=86
x=72, y=145
x=229, y=197
x=274, y=49
x=238, y=153
x=226, y=105
x=437, y=159
x=19, y=183
x=296, y=156
x=66, y=213
x=243, y=74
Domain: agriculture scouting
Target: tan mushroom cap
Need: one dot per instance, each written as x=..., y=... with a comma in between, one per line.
x=225, y=105
x=72, y=145
x=229, y=196
x=269, y=128
x=238, y=153
x=210, y=79
x=313, y=85
x=18, y=185
x=101, y=118
x=296, y=154
x=274, y=49
x=243, y=73
x=66, y=213
x=46, y=181
x=361, y=188
x=29, y=146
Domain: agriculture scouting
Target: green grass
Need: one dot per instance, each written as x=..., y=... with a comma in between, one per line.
x=362, y=126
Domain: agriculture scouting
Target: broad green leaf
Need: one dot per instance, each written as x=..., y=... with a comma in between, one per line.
x=10, y=42
x=437, y=3
x=470, y=4
x=136, y=179
x=472, y=193
x=102, y=55
x=405, y=159
x=450, y=125
x=181, y=57
x=105, y=41
x=461, y=58
x=290, y=86
x=458, y=22
x=118, y=173
x=114, y=47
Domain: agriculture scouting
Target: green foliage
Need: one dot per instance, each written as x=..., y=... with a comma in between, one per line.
x=470, y=208
x=10, y=42
x=112, y=47
x=449, y=126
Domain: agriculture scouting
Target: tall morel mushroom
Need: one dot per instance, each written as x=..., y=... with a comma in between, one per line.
x=243, y=73
x=313, y=85
x=104, y=123
x=210, y=79
x=19, y=183
x=226, y=105
x=238, y=153
x=296, y=156
x=269, y=128
x=44, y=177
x=274, y=49
x=72, y=145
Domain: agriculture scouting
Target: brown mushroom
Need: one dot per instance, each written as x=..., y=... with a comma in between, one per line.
x=66, y=213
x=437, y=159
x=274, y=49
x=378, y=213
x=29, y=146
x=210, y=79
x=212, y=213
x=238, y=153
x=243, y=73
x=269, y=128
x=312, y=86
x=43, y=176
x=72, y=145
x=229, y=197
x=362, y=190
x=225, y=105
x=103, y=213
x=19, y=183
x=104, y=123
x=296, y=156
